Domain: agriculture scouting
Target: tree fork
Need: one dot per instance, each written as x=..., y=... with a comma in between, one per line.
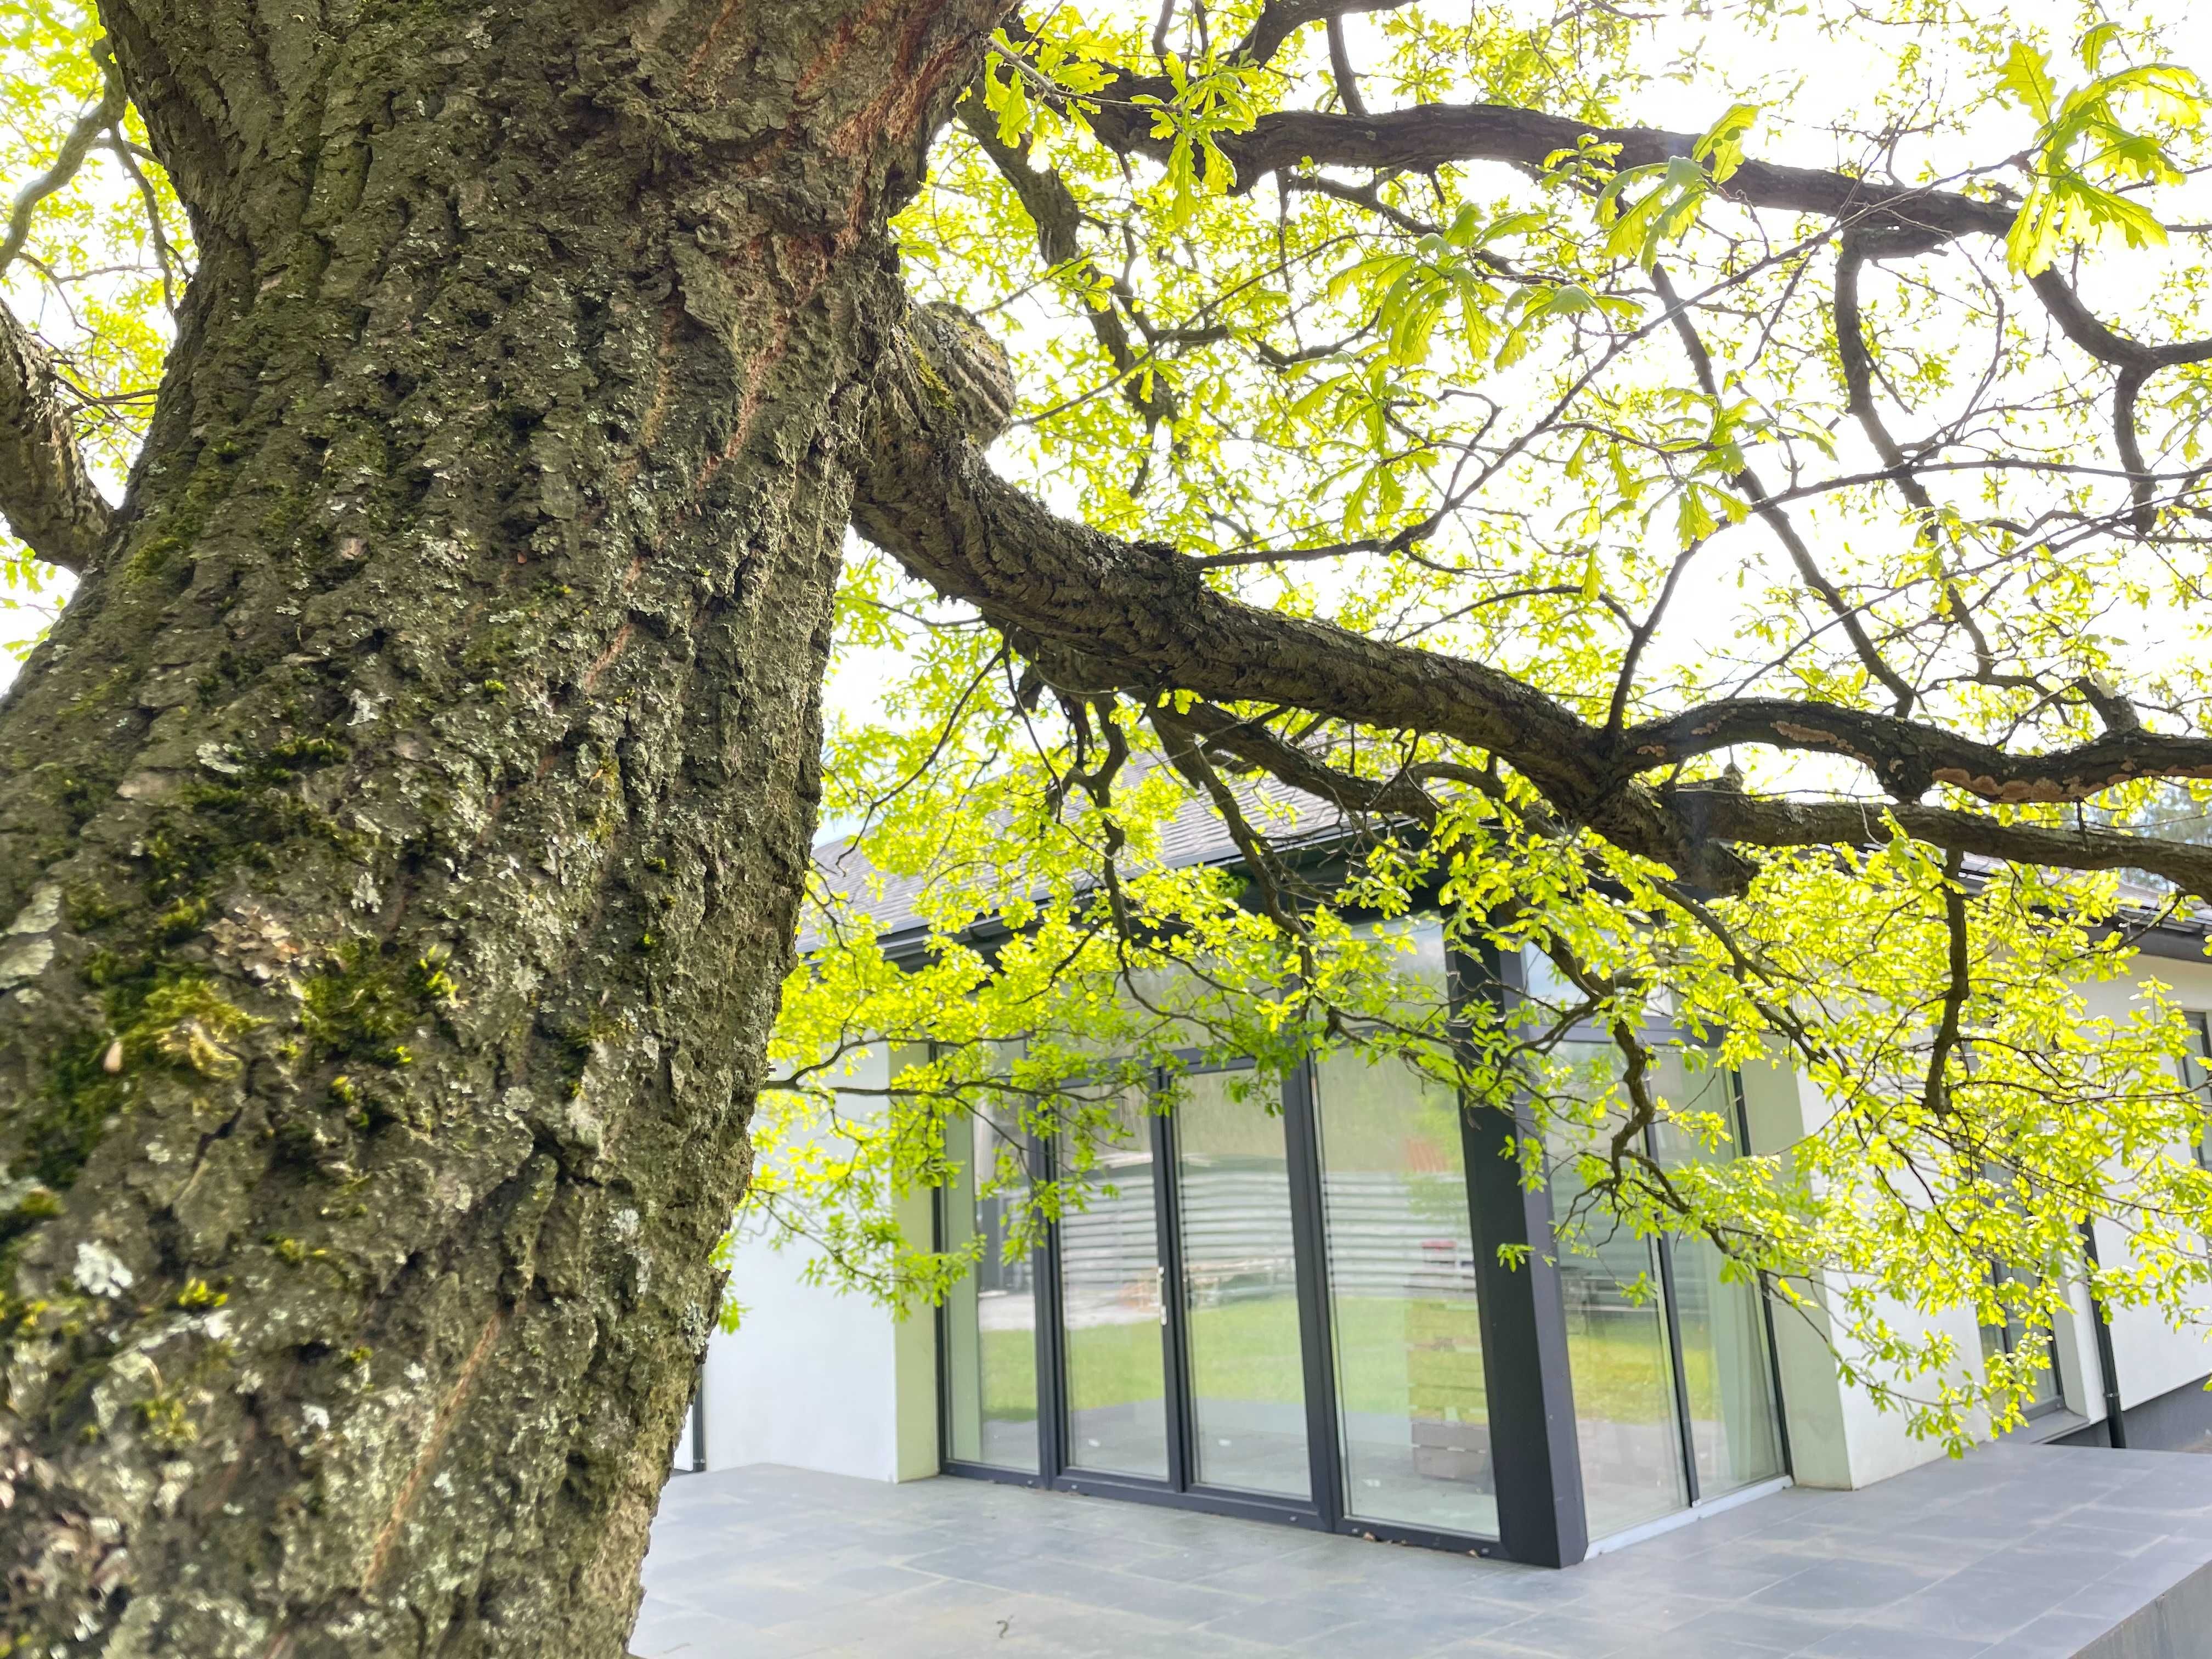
x=400, y=833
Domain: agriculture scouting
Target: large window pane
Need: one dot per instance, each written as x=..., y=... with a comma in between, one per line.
x=2196, y=1074
x=1623, y=1376
x=990, y=1318
x=1109, y=1276
x=1414, y=1427
x=2002, y=1342
x=1727, y=1371
x=1240, y=1287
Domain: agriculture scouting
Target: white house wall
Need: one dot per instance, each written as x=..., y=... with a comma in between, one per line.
x=1839, y=1436
x=2152, y=1356
x=813, y=1376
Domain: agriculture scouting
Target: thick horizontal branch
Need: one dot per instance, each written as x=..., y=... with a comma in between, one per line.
x=46, y=492
x=1139, y=615
x=1895, y=220
x=1767, y=822
x=1434, y=135
x=1098, y=614
x=1279, y=20
x=1910, y=758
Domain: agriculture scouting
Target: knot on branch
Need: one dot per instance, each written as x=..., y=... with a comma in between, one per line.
x=1898, y=238
x=964, y=373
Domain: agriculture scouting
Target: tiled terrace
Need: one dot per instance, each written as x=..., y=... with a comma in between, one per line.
x=2020, y=1552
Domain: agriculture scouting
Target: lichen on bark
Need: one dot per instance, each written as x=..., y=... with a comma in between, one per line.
x=400, y=832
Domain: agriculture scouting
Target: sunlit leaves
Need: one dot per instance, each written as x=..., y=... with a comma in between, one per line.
x=1203, y=108
x=1407, y=292
x=106, y=260
x=2090, y=147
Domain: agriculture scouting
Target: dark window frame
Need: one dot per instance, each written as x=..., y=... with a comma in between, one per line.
x=1535, y=1459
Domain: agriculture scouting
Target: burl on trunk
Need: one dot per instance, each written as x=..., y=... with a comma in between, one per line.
x=400, y=836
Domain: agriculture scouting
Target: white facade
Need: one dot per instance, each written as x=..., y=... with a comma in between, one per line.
x=815, y=1378
x=1839, y=1438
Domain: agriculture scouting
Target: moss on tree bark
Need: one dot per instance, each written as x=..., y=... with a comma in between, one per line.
x=400, y=836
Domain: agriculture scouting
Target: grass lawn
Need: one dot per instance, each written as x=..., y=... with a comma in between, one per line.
x=1396, y=1358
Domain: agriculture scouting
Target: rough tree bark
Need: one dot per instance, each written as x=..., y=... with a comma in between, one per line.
x=399, y=834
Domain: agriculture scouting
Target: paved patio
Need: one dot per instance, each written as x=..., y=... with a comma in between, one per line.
x=2018, y=1551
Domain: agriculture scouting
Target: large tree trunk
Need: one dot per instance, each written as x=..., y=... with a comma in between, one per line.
x=400, y=836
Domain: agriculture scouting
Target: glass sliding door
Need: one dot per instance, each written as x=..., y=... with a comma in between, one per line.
x=1240, y=1302
x=1272, y=1301
x=1113, y=1317
x=991, y=1317
x=1624, y=1376
x=1412, y=1405
x=1727, y=1371
x=1672, y=1377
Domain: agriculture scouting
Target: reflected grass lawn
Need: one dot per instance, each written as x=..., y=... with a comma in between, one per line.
x=1397, y=1358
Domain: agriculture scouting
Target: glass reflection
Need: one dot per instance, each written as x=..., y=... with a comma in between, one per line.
x=990, y=1317
x=1727, y=1373
x=1624, y=1377
x=1626, y=1407
x=1624, y=1384
x=1109, y=1278
x=1240, y=1288
x=1414, y=1408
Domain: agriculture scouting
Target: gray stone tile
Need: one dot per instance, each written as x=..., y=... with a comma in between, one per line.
x=1877, y=1642
x=1122, y=1592
x=2053, y=1636
x=2077, y=1536
x=1739, y=1574
x=1939, y=1564
x=1844, y=1586
x=1777, y=1630
x=752, y=1607
x=1285, y=1623
x=1407, y=1635
x=703, y=1635
x=1686, y=1645
x=2156, y=1567
x=1306, y=1572
x=1980, y=1603
x=1561, y=1636
x=2104, y=1600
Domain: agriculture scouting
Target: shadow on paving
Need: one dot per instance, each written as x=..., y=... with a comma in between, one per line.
x=2027, y=1553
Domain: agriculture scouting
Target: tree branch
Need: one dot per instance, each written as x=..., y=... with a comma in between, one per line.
x=1935, y=1095
x=1096, y=611
x=89, y=127
x=1098, y=614
x=1432, y=135
x=1339, y=66
x=1858, y=362
x=2126, y=388
x=1910, y=758
x=1279, y=20
x=1053, y=209
x=2078, y=323
x=1775, y=517
x=46, y=492
x=1766, y=822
